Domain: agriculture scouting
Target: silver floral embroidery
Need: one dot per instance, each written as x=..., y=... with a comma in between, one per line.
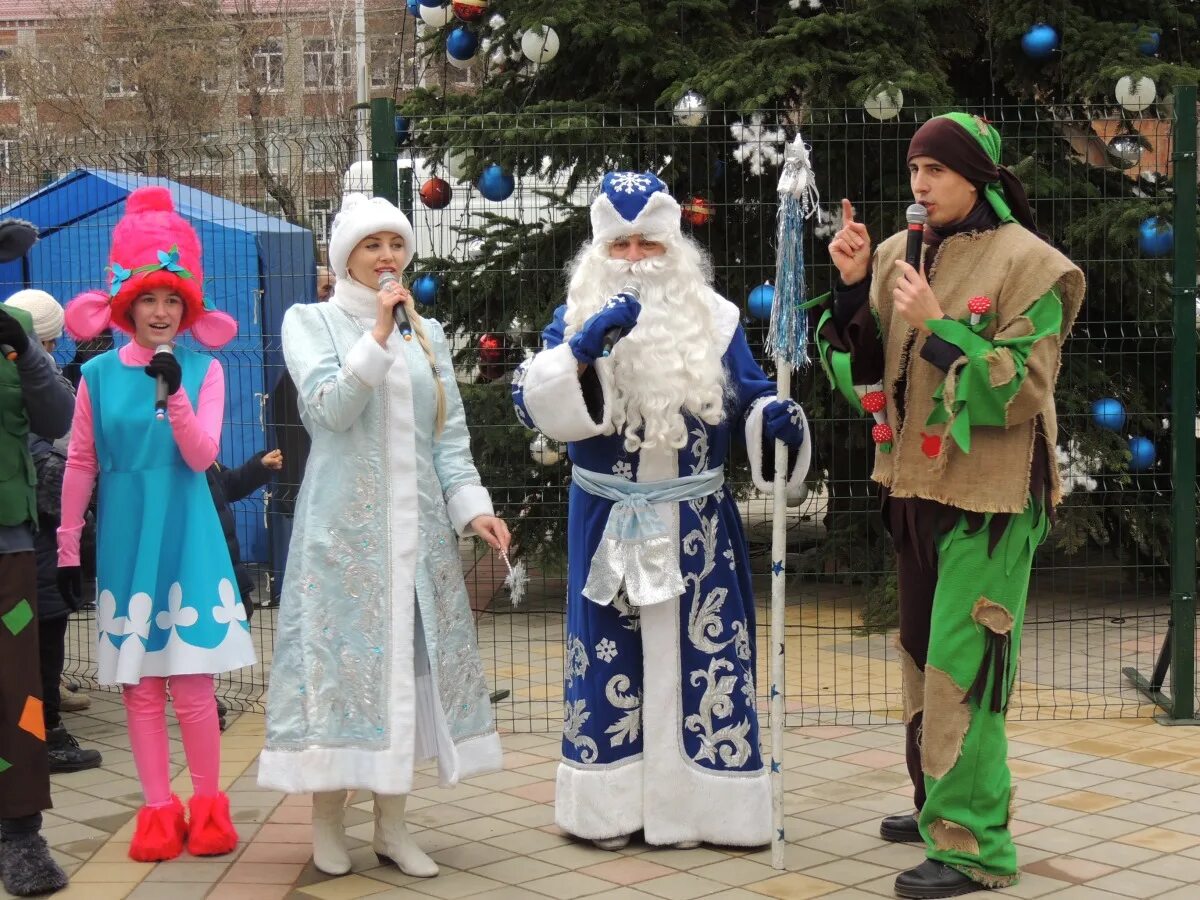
x=629, y=726
x=576, y=663
x=630, y=615
x=575, y=715
x=748, y=688
x=727, y=743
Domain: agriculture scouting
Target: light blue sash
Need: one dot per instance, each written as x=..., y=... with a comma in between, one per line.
x=636, y=547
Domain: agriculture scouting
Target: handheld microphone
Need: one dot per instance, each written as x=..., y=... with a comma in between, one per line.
x=398, y=311
x=614, y=334
x=160, y=385
x=916, y=216
x=9, y=352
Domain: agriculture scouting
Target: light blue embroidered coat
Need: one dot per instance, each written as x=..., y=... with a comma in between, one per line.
x=376, y=659
x=660, y=731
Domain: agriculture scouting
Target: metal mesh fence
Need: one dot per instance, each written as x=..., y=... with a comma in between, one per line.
x=264, y=202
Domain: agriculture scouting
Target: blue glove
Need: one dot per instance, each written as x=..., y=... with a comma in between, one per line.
x=783, y=421
x=620, y=312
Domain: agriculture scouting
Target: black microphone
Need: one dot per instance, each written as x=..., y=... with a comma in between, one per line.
x=160, y=385
x=614, y=334
x=398, y=311
x=916, y=215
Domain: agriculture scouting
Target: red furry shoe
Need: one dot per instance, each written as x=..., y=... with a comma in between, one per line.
x=210, y=831
x=160, y=832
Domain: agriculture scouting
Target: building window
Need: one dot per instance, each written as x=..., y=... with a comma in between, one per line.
x=8, y=155
x=266, y=62
x=120, y=81
x=7, y=88
x=326, y=64
x=388, y=55
x=320, y=217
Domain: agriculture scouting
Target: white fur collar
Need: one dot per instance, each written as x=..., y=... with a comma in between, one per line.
x=726, y=318
x=355, y=299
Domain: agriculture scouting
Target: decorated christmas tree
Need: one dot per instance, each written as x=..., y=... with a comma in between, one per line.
x=704, y=93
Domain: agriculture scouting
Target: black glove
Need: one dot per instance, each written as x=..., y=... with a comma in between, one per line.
x=70, y=585
x=16, y=237
x=12, y=333
x=166, y=365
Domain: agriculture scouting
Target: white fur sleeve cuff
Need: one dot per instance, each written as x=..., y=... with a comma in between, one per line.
x=369, y=362
x=754, y=449
x=554, y=396
x=466, y=502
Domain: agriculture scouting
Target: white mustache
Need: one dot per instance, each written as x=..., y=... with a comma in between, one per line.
x=655, y=265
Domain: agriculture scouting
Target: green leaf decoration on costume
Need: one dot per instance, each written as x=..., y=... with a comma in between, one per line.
x=836, y=363
x=976, y=400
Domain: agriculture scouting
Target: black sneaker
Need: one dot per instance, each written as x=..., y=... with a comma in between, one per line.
x=66, y=755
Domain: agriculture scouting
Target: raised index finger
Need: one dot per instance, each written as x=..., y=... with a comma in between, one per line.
x=847, y=212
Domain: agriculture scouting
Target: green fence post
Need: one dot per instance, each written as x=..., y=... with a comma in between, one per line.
x=1183, y=412
x=383, y=148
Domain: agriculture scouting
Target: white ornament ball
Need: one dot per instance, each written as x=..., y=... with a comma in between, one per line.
x=544, y=451
x=1135, y=95
x=691, y=109
x=540, y=45
x=436, y=16
x=885, y=103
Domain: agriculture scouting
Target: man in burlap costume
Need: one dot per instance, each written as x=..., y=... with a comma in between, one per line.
x=957, y=363
x=33, y=398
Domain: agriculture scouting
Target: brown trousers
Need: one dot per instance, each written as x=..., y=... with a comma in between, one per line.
x=24, y=766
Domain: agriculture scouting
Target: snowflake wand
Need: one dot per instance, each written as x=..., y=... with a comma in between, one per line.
x=516, y=580
x=788, y=343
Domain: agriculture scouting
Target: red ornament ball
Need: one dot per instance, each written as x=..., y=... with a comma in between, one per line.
x=435, y=193
x=874, y=401
x=697, y=211
x=491, y=349
x=469, y=10
x=979, y=306
x=931, y=445
x=881, y=433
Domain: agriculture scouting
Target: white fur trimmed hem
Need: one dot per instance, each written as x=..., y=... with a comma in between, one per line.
x=598, y=802
x=554, y=397
x=382, y=771
x=754, y=449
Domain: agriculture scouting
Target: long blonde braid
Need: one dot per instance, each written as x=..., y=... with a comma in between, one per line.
x=418, y=328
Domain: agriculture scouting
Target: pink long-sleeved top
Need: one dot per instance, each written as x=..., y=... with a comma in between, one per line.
x=197, y=435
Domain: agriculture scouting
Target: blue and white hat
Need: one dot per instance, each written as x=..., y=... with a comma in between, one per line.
x=633, y=203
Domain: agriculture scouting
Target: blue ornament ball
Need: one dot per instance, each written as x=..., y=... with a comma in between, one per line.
x=462, y=43
x=425, y=289
x=414, y=8
x=495, y=184
x=1142, y=454
x=433, y=2
x=1150, y=45
x=1109, y=413
x=400, y=124
x=762, y=298
x=1156, y=237
x=1040, y=41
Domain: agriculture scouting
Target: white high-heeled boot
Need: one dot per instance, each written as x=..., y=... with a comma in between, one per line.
x=329, y=832
x=393, y=844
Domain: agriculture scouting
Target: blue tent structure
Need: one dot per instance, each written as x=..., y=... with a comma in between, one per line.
x=255, y=266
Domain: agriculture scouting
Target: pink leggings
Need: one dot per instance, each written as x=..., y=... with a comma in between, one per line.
x=196, y=709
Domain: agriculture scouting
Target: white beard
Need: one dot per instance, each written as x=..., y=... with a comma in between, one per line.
x=670, y=363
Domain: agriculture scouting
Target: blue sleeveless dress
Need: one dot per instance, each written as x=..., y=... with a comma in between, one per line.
x=166, y=596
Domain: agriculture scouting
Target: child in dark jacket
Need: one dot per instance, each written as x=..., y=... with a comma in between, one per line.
x=228, y=486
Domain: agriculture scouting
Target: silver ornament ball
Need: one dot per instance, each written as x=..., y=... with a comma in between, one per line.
x=691, y=109
x=1125, y=150
x=544, y=451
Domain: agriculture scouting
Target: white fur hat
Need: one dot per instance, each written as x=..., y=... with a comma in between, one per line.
x=360, y=216
x=633, y=203
x=45, y=311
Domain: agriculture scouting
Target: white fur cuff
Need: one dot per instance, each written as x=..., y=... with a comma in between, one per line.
x=466, y=502
x=554, y=397
x=754, y=449
x=369, y=362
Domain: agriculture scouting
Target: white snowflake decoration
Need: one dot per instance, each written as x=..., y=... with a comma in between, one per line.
x=757, y=144
x=811, y=4
x=1076, y=468
x=629, y=182
x=606, y=650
